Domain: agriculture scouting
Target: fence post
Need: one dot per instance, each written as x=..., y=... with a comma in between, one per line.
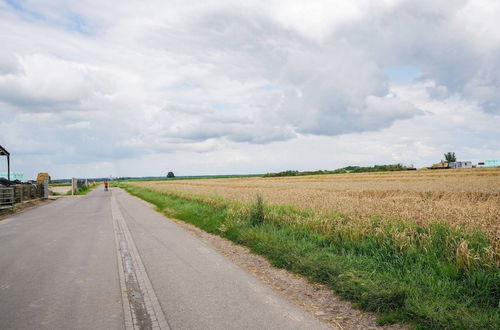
x=73, y=186
x=46, y=188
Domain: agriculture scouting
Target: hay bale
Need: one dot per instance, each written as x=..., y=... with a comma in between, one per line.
x=41, y=177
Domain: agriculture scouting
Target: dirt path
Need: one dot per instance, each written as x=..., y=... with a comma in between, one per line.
x=60, y=189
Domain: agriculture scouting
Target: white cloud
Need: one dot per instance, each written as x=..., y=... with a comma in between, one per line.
x=266, y=85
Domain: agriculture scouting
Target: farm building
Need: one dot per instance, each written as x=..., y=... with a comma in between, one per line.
x=463, y=164
x=489, y=163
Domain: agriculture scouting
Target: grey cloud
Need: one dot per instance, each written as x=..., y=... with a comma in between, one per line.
x=197, y=126
x=8, y=64
x=333, y=78
x=437, y=39
x=163, y=77
x=484, y=86
x=376, y=113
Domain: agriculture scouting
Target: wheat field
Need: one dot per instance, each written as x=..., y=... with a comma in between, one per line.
x=466, y=198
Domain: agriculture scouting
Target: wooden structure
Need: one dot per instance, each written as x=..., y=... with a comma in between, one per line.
x=4, y=152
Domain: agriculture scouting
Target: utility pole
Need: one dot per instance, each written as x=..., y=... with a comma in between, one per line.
x=4, y=152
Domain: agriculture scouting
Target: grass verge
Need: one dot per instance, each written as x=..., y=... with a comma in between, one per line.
x=430, y=284
x=85, y=189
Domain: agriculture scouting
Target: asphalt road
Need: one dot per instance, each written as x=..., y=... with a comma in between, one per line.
x=108, y=261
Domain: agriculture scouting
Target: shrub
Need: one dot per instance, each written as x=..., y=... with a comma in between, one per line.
x=257, y=211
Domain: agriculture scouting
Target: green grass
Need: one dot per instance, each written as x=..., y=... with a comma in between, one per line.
x=85, y=189
x=423, y=286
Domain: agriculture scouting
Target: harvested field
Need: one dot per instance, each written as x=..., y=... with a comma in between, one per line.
x=468, y=198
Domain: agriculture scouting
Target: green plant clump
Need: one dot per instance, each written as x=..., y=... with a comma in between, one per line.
x=257, y=211
x=424, y=284
x=85, y=189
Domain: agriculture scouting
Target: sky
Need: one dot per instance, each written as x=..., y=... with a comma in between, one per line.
x=93, y=88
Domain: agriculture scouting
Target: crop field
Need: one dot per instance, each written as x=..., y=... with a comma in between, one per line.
x=418, y=247
x=468, y=198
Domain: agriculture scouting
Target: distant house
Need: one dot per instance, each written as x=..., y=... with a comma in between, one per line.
x=464, y=164
x=489, y=163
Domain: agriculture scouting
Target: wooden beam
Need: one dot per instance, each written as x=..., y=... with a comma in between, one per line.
x=3, y=152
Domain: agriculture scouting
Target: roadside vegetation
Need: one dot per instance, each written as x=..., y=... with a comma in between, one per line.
x=415, y=264
x=85, y=189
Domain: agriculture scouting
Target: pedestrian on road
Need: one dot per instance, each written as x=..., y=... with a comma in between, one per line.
x=106, y=185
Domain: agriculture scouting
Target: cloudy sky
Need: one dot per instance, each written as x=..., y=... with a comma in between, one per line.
x=93, y=88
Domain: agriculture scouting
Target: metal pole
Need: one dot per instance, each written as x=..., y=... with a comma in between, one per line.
x=8, y=167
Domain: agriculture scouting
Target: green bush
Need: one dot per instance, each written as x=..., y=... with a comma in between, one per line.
x=257, y=211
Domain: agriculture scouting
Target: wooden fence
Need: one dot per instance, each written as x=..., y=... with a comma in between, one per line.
x=19, y=193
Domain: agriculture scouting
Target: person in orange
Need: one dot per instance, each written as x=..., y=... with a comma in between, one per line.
x=106, y=185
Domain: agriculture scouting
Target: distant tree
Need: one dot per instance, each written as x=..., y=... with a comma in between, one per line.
x=170, y=175
x=450, y=157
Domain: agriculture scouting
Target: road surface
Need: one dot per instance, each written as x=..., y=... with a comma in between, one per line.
x=108, y=261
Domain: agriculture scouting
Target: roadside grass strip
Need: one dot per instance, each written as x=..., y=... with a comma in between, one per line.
x=83, y=190
x=425, y=276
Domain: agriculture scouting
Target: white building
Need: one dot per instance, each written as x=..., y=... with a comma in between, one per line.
x=464, y=164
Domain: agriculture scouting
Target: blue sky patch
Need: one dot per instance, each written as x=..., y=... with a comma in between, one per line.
x=18, y=7
x=70, y=21
x=402, y=74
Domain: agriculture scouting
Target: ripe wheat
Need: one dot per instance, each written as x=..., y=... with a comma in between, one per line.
x=465, y=199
